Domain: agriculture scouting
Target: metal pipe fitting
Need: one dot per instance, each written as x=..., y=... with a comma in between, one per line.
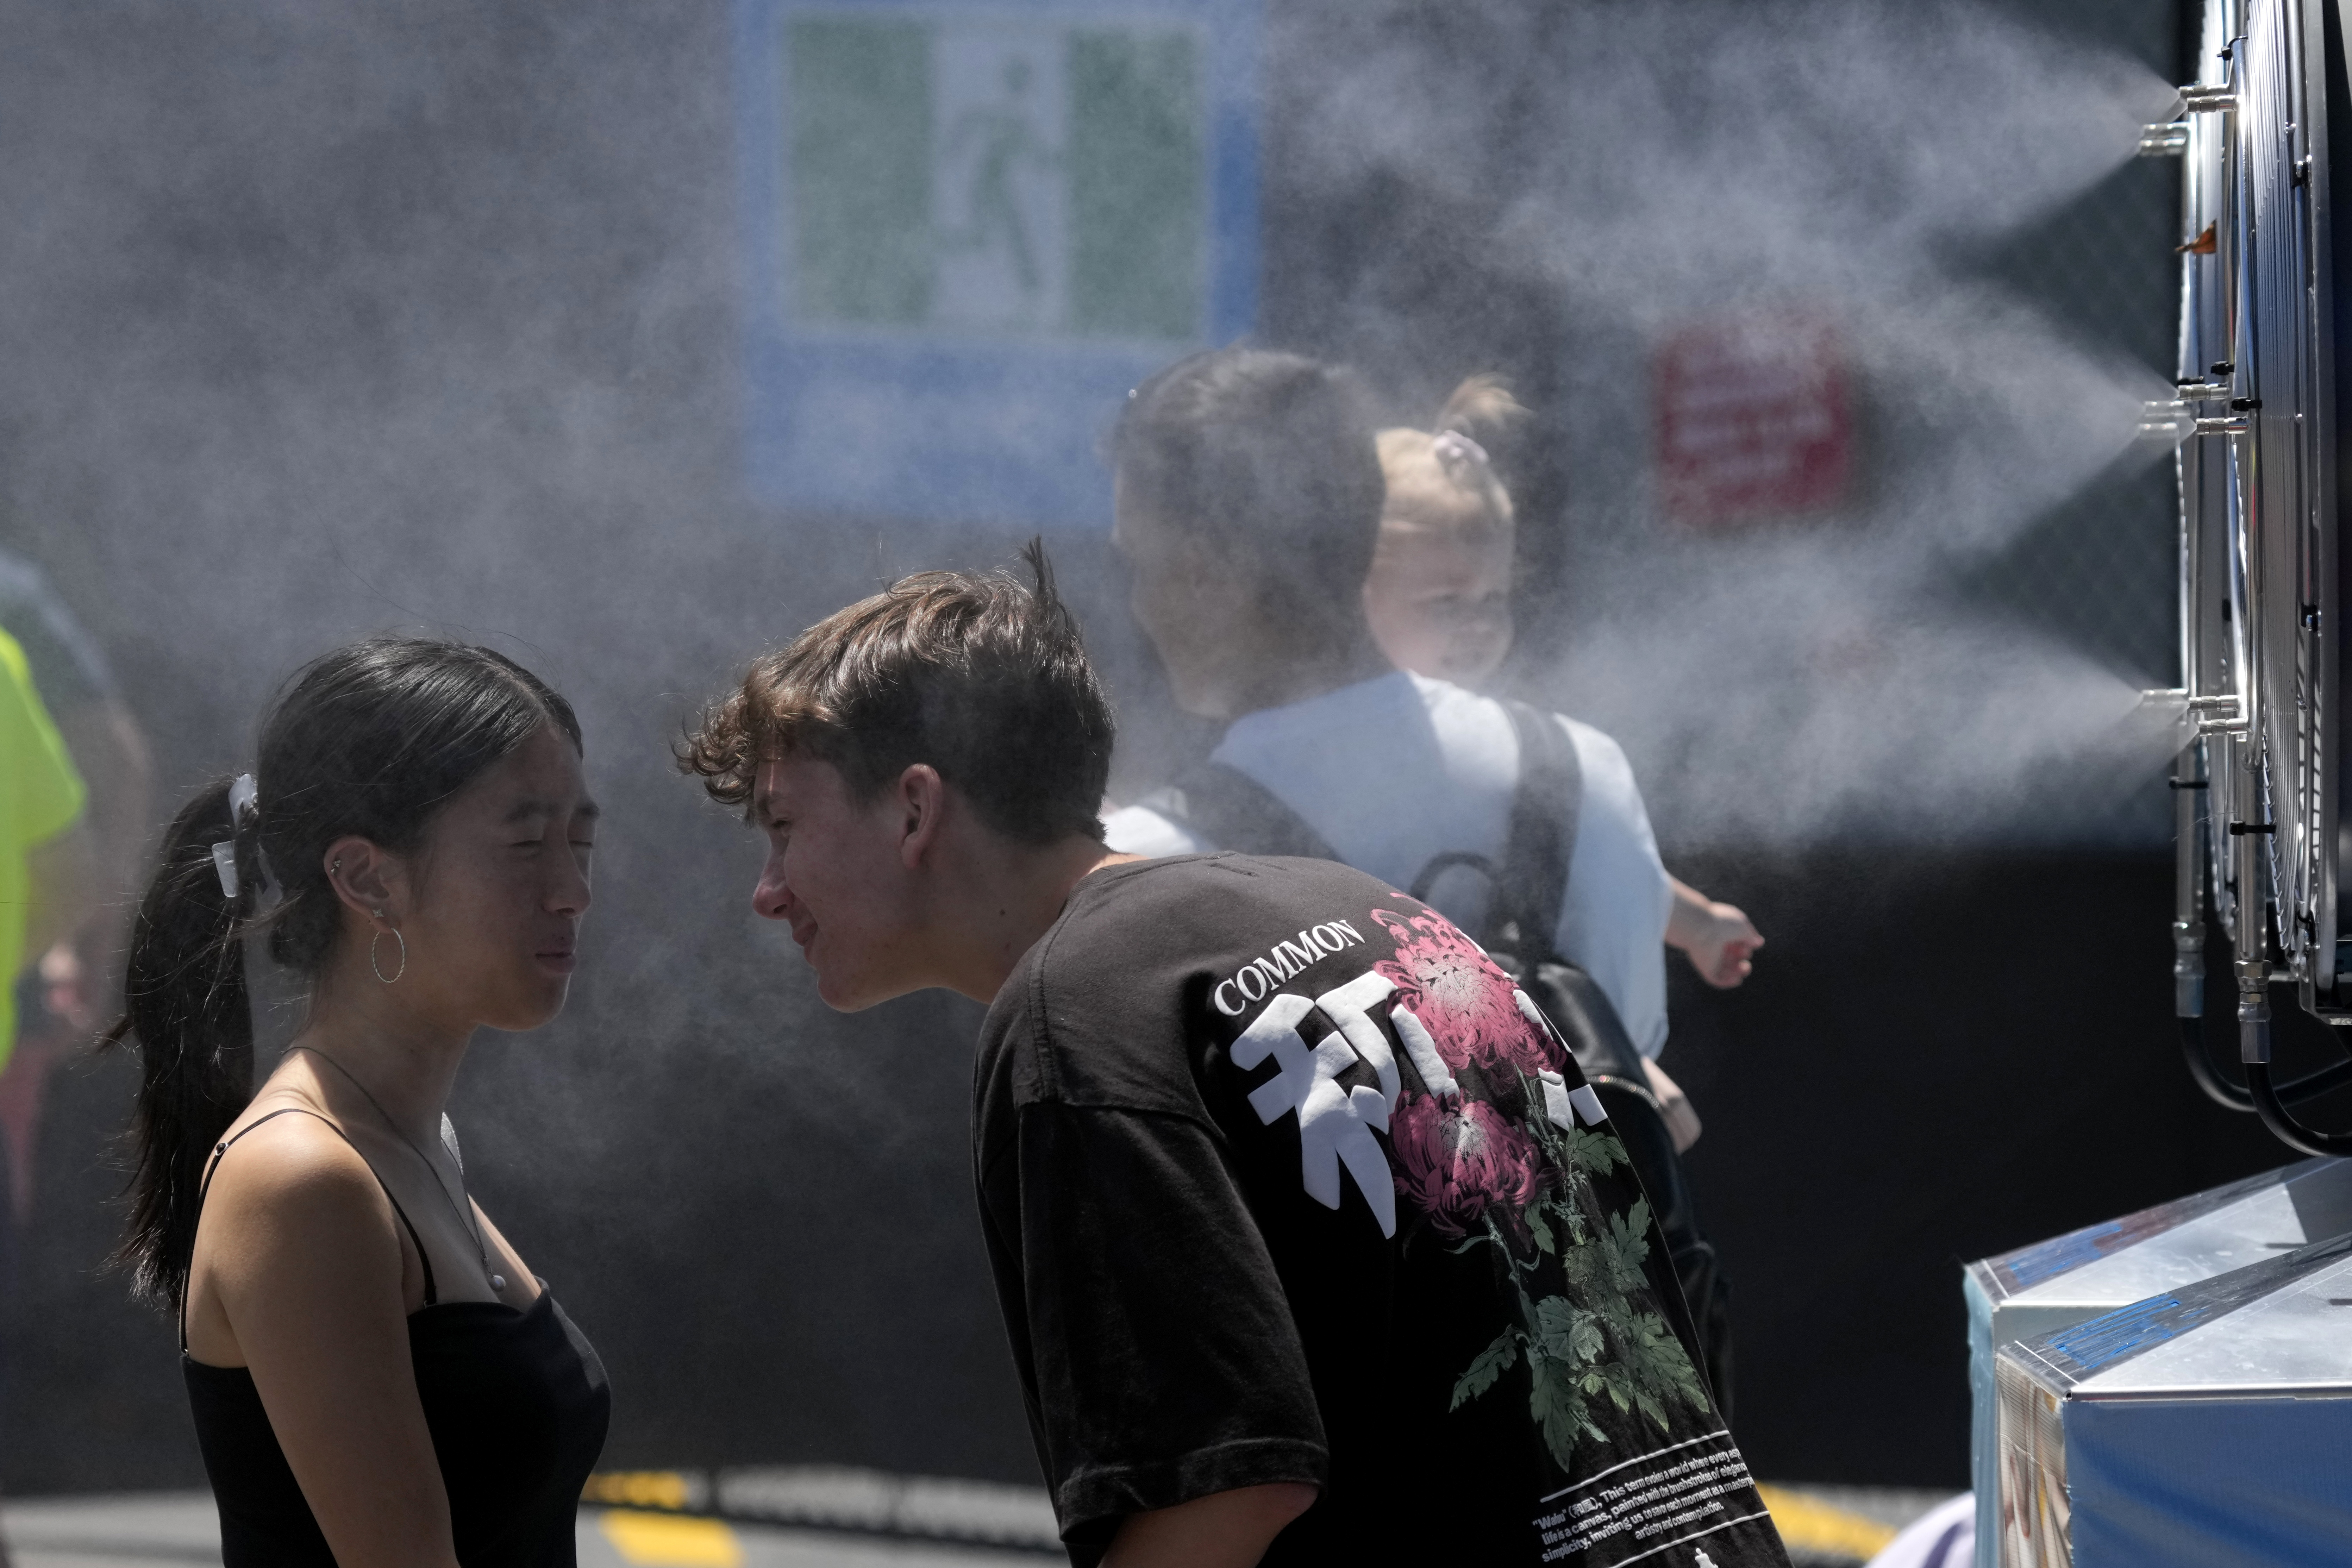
x=2168, y=141
x=2251, y=959
x=2188, y=878
x=2199, y=98
x=2188, y=968
x=2253, y=1023
x=2253, y=1009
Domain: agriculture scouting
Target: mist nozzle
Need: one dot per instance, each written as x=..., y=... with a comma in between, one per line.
x=2174, y=421
x=2180, y=707
x=2169, y=140
x=2168, y=420
x=2176, y=705
x=2198, y=98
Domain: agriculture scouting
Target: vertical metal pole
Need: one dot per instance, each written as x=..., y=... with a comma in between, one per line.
x=2189, y=470
x=2188, y=888
x=2242, y=750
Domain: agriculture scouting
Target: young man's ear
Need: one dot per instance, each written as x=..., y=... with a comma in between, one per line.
x=920, y=799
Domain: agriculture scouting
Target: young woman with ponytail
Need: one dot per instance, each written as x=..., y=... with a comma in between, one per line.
x=375, y=1375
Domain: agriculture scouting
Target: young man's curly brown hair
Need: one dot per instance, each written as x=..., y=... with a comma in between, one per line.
x=977, y=674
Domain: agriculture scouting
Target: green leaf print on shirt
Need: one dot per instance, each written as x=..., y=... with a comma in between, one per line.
x=1592, y=1341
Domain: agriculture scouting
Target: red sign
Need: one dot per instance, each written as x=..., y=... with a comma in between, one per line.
x=1754, y=420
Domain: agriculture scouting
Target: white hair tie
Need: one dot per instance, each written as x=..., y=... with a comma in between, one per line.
x=242, y=794
x=1464, y=460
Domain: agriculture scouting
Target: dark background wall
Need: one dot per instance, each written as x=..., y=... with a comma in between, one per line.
x=322, y=320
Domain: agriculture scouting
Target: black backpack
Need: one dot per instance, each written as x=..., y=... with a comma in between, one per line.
x=1233, y=811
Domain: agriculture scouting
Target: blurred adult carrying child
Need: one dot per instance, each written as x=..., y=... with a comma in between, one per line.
x=1332, y=592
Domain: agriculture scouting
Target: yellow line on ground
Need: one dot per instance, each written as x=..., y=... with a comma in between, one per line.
x=1809, y=1524
x=671, y=1540
x=639, y=1488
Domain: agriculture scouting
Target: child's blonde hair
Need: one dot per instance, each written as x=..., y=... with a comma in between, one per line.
x=1439, y=480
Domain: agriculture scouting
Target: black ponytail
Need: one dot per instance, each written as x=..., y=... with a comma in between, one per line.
x=370, y=740
x=184, y=998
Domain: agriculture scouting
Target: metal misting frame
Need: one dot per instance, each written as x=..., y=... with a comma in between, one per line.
x=2259, y=782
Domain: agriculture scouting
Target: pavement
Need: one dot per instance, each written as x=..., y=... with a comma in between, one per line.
x=181, y=1529
x=814, y=1517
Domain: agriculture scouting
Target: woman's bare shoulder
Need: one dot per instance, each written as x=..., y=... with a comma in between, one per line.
x=297, y=1234
x=284, y=1160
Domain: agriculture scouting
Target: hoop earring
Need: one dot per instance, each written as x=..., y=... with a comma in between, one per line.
x=393, y=932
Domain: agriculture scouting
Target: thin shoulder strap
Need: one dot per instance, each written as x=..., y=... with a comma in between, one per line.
x=1545, y=809
x=213, y=1164
x=1233, y=811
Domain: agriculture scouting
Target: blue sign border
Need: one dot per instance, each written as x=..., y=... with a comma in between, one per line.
x=935, y=428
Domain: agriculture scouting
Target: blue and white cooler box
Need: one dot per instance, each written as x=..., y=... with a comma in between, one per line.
x=2206, y=1426
x=2054, y=1285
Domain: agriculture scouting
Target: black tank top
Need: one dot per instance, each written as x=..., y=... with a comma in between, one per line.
x=515, y=1401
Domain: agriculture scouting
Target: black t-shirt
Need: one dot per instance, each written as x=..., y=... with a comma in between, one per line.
x=1282, y=1181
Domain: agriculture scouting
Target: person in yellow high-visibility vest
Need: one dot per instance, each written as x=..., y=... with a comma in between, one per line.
x=47, y=870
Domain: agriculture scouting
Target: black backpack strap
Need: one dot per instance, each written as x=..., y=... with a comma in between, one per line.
x=1588, y=1026
x=1232, y=811
x=1545, y=809
x=1532, y=887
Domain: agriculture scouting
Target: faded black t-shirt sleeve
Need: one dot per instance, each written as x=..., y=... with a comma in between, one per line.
x=1166, y=1364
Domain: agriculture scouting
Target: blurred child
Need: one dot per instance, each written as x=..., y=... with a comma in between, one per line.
x=1438, y=598
x=1439, y=594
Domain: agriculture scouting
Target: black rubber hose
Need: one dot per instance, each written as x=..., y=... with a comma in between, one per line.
x=2283, y=1126
x=2218, y=1088
x=2227, y=1095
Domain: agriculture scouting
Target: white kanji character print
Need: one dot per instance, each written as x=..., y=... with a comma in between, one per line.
x=1335, y=1124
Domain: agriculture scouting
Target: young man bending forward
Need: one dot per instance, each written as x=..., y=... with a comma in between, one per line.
x=1312, y=1245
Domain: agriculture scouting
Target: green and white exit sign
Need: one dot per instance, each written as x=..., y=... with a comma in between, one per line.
x=971, y=228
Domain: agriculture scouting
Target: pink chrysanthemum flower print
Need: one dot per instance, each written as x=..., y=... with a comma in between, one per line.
x=1460, y=996
x=1454, y=1161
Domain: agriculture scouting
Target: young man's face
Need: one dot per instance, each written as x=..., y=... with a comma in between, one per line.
x=834, y=874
